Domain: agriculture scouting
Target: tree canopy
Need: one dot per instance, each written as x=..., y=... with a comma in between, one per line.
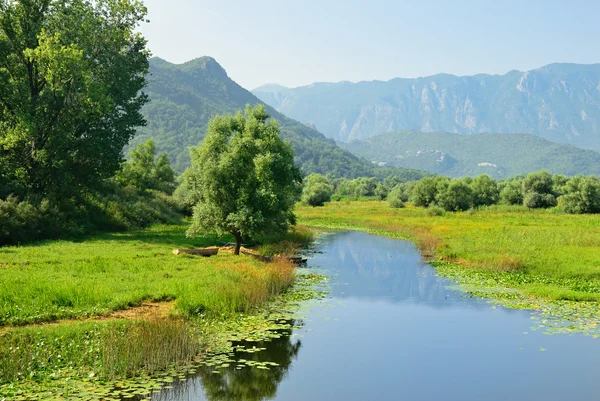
x=70, y=90
x=244, y=176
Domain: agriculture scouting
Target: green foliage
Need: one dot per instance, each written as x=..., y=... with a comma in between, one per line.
x=358, y=187
x=381, y=191
x=457, y=196
x=245, y=177
x=512, y=192
x=485, y=191
x=425, y=191
x=317, y=190
x=143, y=171
x=582, y=195
x=70, y=91
x=435, y=211
x=538, y=190
x=112, y=207
x=396, y=197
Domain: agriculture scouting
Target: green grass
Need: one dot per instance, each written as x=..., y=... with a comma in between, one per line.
x=54, y=280
x=541, y=253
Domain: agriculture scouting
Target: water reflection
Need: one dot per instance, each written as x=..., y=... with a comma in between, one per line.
x=370, y=267
x=246, y=384
x=392, y=331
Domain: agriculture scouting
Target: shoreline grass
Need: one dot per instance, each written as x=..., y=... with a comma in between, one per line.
x=541, y=253
x=83, y=281
x=54, y=280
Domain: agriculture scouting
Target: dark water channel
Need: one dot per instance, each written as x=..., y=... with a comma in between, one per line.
x=393, y=330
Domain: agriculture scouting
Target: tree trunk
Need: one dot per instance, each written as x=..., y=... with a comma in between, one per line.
x=238, y=242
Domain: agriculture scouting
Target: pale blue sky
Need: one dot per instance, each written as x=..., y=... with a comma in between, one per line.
x=301, y=42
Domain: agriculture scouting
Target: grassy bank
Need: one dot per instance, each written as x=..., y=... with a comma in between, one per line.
x=85, y=282
x=55, y=280
x=539, y=253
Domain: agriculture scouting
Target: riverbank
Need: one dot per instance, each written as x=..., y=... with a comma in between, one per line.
x=511, y=253
x=60, y=333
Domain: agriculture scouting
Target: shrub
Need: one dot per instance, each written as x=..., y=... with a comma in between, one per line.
x=535, y=200
x=582, y=195
x=317, y=190
x=425, y=191
x=457, y=196
x=538, y=182
x=512, y=193
x=396, y=197
x=434, y=210
x=485, y=191
x=381, y=192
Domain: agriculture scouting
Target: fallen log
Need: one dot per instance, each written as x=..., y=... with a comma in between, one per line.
x=211, y=251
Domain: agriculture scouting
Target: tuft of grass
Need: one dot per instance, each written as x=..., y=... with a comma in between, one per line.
x=108, y=350
x=295, y=239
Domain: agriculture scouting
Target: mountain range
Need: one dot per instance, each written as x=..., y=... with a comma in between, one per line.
x=184, y=97
x=558, y=102
x=456, y=155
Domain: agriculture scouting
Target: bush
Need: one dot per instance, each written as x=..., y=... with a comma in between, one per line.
x=456, y=197
x=434, y=210
x=485, y=191
x=317, y=190
x=381, y=192
x=535, y=200
x=582, y=195
x=396, y=197
x=538, y=182
x=512, y=193
x=117, y=208
x=425, y=191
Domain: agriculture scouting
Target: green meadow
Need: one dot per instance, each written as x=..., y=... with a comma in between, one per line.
x=59, y=303
x=54, y=280
x=540, y=253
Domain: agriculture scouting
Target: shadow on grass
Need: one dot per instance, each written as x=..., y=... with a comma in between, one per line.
x=171, y=234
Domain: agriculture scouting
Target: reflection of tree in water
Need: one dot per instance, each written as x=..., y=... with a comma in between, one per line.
x=251, y=383
x=246, y=384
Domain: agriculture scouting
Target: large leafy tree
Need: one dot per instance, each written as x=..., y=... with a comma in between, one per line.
x=71, y=74
x=244, y=176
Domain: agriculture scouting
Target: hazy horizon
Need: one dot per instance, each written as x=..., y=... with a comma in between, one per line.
x=293, y=45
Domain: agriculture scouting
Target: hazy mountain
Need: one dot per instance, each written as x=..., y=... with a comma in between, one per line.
x=185, y=97
x=559, y=102
x=455, y=155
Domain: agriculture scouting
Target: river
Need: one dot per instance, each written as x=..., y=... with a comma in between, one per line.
x=392, y=330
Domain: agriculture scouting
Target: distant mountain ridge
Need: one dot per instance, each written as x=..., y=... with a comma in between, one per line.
x=184, y=97
x=559, y=102
x=455, y=155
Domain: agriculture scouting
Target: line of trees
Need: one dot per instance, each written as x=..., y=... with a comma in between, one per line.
x=536, y=190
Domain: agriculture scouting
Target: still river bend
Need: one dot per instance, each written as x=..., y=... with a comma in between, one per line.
x=394, y=330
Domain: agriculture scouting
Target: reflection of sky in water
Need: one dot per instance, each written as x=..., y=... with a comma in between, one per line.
x=393, y=331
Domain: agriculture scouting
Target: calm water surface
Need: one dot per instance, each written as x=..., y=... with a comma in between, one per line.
x=393, y=330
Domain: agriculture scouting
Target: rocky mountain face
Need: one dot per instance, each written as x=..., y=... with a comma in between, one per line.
x=559, y=102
